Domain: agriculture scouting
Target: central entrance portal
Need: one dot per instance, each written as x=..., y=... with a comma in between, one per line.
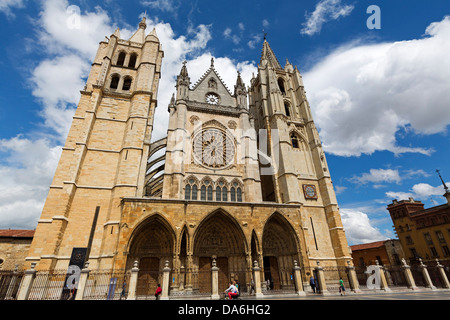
x=219, y=236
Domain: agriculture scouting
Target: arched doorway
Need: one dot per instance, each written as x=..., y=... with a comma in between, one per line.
x=219, y=237
x=151, y=245
x=280, y=249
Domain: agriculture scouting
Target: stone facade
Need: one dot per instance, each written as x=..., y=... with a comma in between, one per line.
x=244, y=176
x=423, y=233
x=14, y=247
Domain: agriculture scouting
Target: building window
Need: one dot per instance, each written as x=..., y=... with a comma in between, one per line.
x=281, y=86
x=218, y=194
x=446, y=251
x=440, y=237
x=286, y=109
x=121, y=59
x=414, y=252
x=210, y=193
x=232, y=194
x=396, y=259
x=294, y=141
x=239, y=195
x=433, y=252
x=126, y=84
x=114, y=82
x=361, y=262
x=409, y=240
x=187, y=192
x=203, y=193
x=428, y=238
x=132, y=62
x=224, y=194
x=194, y=192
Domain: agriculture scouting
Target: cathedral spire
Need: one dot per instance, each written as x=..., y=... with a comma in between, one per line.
x=139, y=35
x=268, y=57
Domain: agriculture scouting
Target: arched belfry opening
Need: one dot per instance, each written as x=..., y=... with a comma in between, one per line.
x=152, y=244
x=220, y=238
x=280, y=249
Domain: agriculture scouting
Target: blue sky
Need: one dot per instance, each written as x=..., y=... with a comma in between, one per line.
x=380, y=97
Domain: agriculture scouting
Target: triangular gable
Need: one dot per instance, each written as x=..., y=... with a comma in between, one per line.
x=211, y=81
x=211, y=72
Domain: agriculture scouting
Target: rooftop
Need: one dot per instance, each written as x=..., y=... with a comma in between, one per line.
x=14, y=233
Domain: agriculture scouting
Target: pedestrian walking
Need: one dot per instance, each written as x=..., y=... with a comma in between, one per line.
x=341, y=287
x=312, y=283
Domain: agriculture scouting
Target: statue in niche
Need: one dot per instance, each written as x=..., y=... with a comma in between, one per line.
x=212, y=84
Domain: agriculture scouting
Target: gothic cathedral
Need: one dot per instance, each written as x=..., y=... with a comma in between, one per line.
x=243, y=177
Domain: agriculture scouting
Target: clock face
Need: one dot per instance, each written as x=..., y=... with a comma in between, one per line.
x=310, y=191
x=213, y=148
x=212, y=98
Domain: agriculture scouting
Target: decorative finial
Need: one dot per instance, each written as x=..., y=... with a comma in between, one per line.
x=212, y=62
x=142, y=24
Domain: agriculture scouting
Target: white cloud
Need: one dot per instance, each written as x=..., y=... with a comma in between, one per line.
x=163, y=5
x=359, y=228
x=265, y=23
x=420, y=191
x=26, y=176
x=229, y=35
x=326, y=10
x=339, y=189
x=256, y=39
x=378, y=175
x=6, y=7
x=361, y=95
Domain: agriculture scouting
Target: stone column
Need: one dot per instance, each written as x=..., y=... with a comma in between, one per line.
x=27, y=283
x=133, y=282
x=383, y=282
x=408, y=276
x=215, y=281
x=426, y=275
x=257, y=279
x=445, y=282
x=353, y=279
x=321, y=280
x=298, y=279
x=82, y=282
x=165, y=282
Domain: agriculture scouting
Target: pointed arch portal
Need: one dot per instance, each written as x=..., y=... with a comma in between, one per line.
x=151, y=244
x=219, y=237
x=280, y=249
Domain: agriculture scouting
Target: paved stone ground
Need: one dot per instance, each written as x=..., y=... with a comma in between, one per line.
x=421, y=294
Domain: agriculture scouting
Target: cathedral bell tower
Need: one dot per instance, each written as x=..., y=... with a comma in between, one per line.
x=297, y=171
x=105, y=155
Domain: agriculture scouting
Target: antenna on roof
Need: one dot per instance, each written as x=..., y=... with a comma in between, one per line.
x=443, y=183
